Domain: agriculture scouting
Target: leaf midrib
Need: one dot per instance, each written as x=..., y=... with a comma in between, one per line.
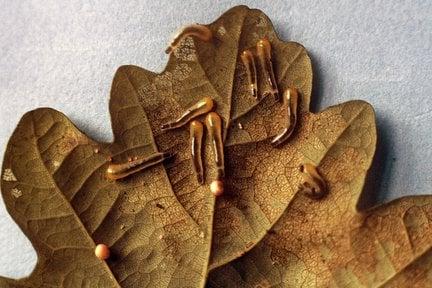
x=210, y=223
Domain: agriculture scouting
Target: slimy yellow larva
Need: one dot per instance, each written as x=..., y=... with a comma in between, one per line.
x=196, y=136
x=249, y=62
x=199, y=31
x=290, y=100
x=264, y=52
x=313, y=184
x=203, y=106
x=122, y=170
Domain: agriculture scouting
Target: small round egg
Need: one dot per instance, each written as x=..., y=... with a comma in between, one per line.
x=217, y=187
x=102, y=251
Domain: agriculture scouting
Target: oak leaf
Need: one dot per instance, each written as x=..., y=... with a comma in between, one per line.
x=158, y=223
x=215, y=69
x=164, y=229
x=333, y=242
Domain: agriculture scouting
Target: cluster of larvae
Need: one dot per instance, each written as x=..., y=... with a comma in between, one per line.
x=313, y=184
x=263, y=52
x=213, y=123
x=290, y=96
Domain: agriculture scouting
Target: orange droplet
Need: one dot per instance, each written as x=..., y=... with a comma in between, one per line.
x=102, y=251
x=217, y=187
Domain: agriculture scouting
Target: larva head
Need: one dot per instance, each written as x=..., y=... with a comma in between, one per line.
x=264, y=48
x=247, y=57
x=207, y=104
x=196, y=126
x=111, y=173
x=213, y=120
x=308, y=169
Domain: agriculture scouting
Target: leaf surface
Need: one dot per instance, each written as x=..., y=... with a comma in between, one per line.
x=330, y=243
x=166, y=230
x=199, y=69
x=65, y=205
x=157, y=223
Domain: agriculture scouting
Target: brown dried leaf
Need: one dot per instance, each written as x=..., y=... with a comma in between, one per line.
x=66, y=205
x=163, y=227
x=330, y=243
x=214, y=69
x=157, y=223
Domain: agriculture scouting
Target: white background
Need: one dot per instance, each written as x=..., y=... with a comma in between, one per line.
x=63, y=54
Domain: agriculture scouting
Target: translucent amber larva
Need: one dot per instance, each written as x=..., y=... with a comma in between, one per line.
x=199, y=31
x=122, y=170
x=214, y=128
x=196, y=136
x=290, y=100
x=249, y=63
x=264, y=55
x=203, y=106
x=313, y=184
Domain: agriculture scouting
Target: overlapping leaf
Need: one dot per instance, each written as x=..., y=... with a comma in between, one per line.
x=60, y=198
x=329, y=243
x=214, y=69
x=158, y=223
x=166, y=230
